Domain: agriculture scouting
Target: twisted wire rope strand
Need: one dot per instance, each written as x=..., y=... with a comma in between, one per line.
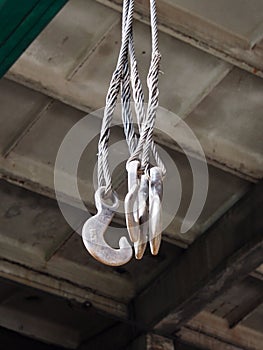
x=104, y=176
x=147, y=122
x=121, y=80
x=138, y=98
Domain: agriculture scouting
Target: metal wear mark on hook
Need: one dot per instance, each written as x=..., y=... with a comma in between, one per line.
x=94, y=229
x=143, y=199
x=155, y=198
x=131, y=200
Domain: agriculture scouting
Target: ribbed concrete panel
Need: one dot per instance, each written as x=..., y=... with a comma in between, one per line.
x=228, y=30
x=32, y=227
x=20, y=106
x=254, y=321
x=229, y=123
x=216, y=203
x=239, y=17
x=35, y=155
x=48, y=318
x=188, y=73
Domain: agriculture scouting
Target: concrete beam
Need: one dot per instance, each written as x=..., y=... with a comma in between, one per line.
x=229, y=250
x=61, y=287
x=151, y=342
x=204, y=25
x=211, y=332
x=250, y=302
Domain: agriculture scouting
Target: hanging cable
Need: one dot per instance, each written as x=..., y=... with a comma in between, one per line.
x=144, y=179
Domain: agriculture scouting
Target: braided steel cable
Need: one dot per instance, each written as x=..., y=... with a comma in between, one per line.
x=104, y=176
x=138, y=98
x=152, y=82
x=127, y=120
x=146, y=123
x=121, y=80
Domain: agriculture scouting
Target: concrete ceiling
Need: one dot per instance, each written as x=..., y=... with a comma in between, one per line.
x=63, y=75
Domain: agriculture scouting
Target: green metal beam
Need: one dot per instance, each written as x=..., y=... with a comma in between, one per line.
x=21, y=21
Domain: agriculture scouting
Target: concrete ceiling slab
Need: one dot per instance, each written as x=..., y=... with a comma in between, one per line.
x=187, y=75
x=32, y=227
x=229, y=123
x=14, y=120
x=239, y=17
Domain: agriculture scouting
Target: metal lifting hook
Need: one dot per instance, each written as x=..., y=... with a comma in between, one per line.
x=131, y=201
x=94, y=229
x=143, y=199
x=155, y=198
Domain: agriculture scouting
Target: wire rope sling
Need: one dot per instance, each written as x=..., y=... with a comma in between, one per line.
x=143, y=210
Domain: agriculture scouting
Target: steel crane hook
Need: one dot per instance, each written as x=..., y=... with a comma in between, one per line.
x=143, y=212
x=131, y=200
x=94, y=229
x=155, y=199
